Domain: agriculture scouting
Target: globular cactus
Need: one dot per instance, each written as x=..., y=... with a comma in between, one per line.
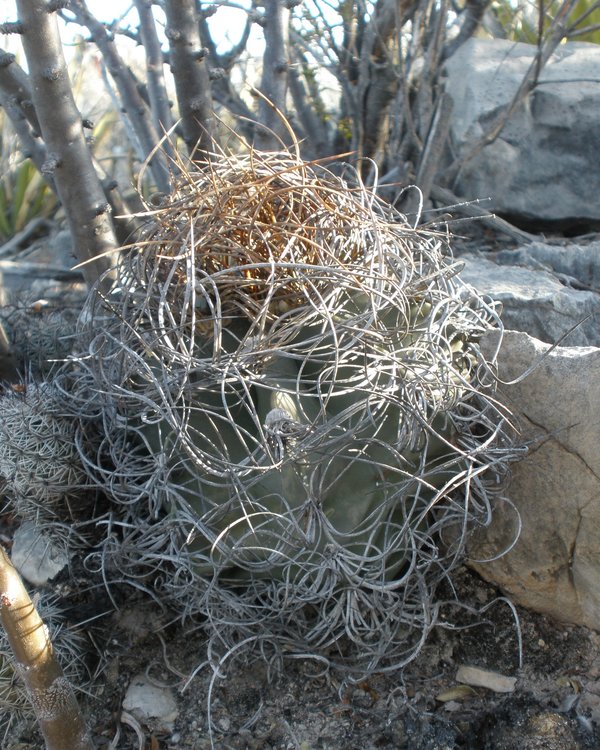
x=299, y=425
x=40, y=464
x=39, y=335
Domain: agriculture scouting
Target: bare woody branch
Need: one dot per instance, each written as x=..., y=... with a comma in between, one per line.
x=69, y=160
x=224, y=60
x=472, y=17
x=431, y=155
x=11, y=27
x=51, y=694
x=160, y=105
x=274, y=81
x=16, y=100
x=223, y=89
x=14, y=83
x=309, y=108
x=136, y=108
x=227, y=59
x=192, y=81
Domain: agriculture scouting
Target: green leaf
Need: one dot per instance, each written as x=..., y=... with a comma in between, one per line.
x=5, y=224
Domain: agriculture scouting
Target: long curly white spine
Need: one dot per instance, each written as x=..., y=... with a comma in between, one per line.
x=294, y=412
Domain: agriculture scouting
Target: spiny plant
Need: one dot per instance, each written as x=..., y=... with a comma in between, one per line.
x=70, y=648
x=298, y=428
x=26, y=644
x=24, y=194
x=39, y=335
x=39, y=462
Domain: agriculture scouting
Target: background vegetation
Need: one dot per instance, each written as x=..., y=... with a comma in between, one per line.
x=359, y=78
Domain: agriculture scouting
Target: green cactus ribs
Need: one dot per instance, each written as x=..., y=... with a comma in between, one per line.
x=299, y=426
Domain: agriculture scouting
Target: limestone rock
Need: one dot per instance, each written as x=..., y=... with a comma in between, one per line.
x=37, y=557
x=577, y=265
x=554, y=566
x=150, y=704
x=543, y=166
x=536, y=302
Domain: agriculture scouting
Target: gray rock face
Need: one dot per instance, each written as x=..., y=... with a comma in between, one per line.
x=543, y=166
x=554, y=566
x=536, y=302
x=578, y=265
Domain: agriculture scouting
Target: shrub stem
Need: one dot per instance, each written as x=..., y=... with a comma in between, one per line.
x=51, y=694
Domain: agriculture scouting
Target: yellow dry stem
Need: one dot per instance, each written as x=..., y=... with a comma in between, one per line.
x=51, y=694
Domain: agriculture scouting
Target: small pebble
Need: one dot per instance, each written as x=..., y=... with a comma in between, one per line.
x=35, y=556
x=224, y=724
x=149, y=703
x=477, y=677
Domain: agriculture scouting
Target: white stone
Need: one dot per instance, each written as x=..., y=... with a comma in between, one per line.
x=543, y=166
x=37, y=558
x=477, y=677
x=536, y=302
x=554, y=566
x=150, y=704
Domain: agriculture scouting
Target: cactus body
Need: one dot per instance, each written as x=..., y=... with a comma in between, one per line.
x=297, y=377
x=39, y=335
x=39, y=461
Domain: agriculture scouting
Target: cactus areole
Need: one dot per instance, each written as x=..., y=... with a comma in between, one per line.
x=309, y=423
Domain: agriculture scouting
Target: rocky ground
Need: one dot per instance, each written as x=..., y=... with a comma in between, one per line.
x=554, y=705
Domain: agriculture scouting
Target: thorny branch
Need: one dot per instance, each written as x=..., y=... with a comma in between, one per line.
x=68, y=160
x=51, y=694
